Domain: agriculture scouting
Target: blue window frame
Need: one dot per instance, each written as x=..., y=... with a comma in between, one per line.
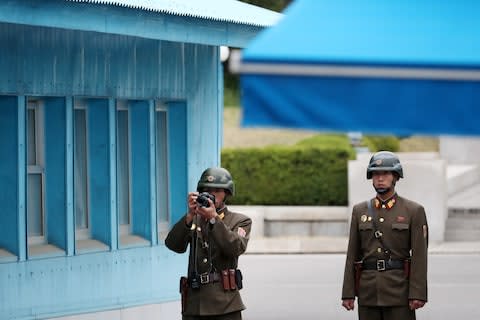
x=35, y=173
x=123, y=168
x=161, y=164
x=80, y=168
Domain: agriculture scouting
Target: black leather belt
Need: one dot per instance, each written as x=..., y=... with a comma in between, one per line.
x=205, y=278
x=382, y=265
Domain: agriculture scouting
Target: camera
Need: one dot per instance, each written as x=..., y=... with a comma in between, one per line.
x=203, y=197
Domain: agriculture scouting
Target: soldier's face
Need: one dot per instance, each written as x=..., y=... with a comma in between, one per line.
x=383, y=181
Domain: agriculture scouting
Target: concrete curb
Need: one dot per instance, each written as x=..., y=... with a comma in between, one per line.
x=329, y=245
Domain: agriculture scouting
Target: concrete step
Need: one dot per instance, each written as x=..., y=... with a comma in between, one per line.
x=468, y=200
x=462, y=235
x=462, y=226
x=304, y=221
x=463, y=222
x=293, y=245
x=460, y=177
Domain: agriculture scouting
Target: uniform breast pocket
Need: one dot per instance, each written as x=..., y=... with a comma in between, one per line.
x=365, y=226
x=366, y=233
x=401, y=234
x=400, y=226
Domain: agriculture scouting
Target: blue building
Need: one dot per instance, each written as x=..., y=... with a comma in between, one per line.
x=109, y=112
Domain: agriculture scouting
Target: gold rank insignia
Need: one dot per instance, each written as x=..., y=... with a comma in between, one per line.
x=388, y=205
x=363, y=218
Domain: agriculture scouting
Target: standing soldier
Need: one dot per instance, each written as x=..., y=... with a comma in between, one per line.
x=217, y=237
x=386, y=264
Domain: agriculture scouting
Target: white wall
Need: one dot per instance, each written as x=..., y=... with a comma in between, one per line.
x=424, y=182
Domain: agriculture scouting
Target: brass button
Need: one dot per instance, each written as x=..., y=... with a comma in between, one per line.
x=205, y=260
x=379, y=250
x=381, y=219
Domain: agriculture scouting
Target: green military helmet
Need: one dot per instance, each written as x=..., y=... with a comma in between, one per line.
x=216, y=178
x=384, y=161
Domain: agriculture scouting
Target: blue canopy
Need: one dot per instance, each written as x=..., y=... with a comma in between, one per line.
x=397, y=66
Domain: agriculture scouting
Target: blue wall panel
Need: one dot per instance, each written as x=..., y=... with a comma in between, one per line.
x=8, y=174
x=203, y=145
x=43, y=61
x=54, y=62
x=89, y=282
x=99, y=169
x=55, y=171
x=177, y=140
x=141, y=175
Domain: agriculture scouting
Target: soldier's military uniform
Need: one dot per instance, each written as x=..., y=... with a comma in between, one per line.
x=389, y=244
x=211, y=290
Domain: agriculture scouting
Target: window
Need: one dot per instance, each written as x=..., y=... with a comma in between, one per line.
x=35, y=173
x=161, y=164
x=123, y=167
x=80, y=167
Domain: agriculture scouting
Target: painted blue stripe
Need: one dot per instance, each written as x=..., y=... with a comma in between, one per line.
x=99, y=169
x=55, y=171
x=70, y=219
x=9, y=186
x=151, y=162
x=141, y=175
x=112, y=165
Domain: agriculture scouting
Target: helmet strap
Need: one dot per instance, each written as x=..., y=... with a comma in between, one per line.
x=382, y=191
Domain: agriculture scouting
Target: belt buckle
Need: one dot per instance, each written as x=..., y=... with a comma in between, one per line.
x=380, y=265
x=204, y=278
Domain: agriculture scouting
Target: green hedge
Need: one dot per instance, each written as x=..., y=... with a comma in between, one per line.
x=290, y=175
x=381, y=143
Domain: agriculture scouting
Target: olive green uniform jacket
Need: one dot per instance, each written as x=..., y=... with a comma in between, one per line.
x=405, y=232
x=227, y=240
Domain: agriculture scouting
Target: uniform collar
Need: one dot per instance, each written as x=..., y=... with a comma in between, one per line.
x=386, y=204
x=221, y=212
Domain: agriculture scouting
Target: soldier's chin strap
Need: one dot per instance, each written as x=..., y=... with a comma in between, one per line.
x=382, y=191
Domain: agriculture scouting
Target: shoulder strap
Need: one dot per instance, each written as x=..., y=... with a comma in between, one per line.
x=377, y=233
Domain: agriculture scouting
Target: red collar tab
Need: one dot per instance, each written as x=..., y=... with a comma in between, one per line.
x=385, y=204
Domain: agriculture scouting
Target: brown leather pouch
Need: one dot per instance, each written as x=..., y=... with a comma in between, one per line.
x=406, y=267
x=225, y=280
x=233, y=283
x=183, y=291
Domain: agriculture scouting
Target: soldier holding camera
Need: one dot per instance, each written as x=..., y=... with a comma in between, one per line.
x=386, y=265
x=217, y=237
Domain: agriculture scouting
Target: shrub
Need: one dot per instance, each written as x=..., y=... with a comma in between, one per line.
x=379, y=143
x=290, y=175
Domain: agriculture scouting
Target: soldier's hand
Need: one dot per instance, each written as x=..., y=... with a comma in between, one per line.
x=348, y=304
x=192, y=206
x=207, y=212
x=415, y=304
